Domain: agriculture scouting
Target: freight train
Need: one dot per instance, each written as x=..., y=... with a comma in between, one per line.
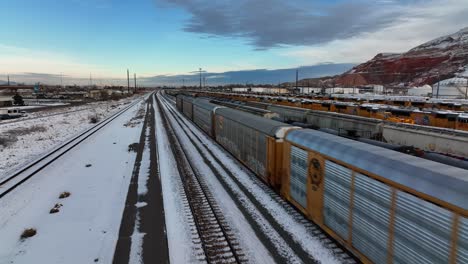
x=444, y=141
x=384, y=206
x=447, y=116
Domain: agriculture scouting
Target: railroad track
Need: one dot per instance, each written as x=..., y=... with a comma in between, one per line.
x=217, y=239
x=314, y=230
x=12, y=181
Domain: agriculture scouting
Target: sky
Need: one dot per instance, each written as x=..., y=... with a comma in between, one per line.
x=76, y=38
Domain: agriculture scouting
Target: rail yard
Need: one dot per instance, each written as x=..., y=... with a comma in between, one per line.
x=232, y=132
x=178, y=176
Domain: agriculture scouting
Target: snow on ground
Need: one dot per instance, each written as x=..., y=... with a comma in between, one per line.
x=179, y=236
x=136, y=248
x=86, y=228
x=27, y=140
x=252, y=184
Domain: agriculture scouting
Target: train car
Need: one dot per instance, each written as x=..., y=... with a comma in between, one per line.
x=179, y=103
x=255, y=141
x=203, y=115
x=184, y=104
x=289, y=114
x=346, y=125
x=257, y=104
x=248, y=109
x=462, y=122
x=423, y=118
x=444, y=119
x=383, y=206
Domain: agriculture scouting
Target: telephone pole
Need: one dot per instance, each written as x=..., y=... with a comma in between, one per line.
x=297, y=80
x=134, y=78
x=128, y=81
x=8, y=80
x=200, y=69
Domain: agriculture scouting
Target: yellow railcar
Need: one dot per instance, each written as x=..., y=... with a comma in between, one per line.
x=384, y=206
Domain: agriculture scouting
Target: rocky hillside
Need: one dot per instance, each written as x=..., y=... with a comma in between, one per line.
x=443, y=58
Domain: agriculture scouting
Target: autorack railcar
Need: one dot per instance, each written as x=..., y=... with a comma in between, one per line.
x=254, y=140
x=384, y=206
x=187, y=108
x=203, y=115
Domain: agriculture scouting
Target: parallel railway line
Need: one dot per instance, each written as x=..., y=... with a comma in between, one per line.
x=216, y=237
x=11, y=182
x=303, y=255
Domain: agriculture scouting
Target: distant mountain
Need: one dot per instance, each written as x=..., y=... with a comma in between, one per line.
x=442, y=58
x=258, y=76
x=5, y=83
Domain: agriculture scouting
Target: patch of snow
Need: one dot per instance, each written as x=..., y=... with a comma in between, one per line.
x=143, y=175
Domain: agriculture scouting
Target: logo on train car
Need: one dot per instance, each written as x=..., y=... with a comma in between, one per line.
x=315, y=174
x=422, y=120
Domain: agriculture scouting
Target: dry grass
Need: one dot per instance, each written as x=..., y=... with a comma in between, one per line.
x=28, y=232
x=26, y=130
x=64, y=195
x=133, y=147
x=94, y=119
x=55, y=209
x=7, y=140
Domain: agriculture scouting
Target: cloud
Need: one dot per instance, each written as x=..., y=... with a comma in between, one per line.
x=415, y=25
x=272, y=23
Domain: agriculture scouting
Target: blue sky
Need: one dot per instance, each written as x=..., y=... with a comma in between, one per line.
x=154, y=37
x=121, y=34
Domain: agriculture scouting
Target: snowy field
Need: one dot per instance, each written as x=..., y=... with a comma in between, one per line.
x=86, y=227
x=22, y=141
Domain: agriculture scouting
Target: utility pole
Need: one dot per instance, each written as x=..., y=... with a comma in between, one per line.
x=297, y=80
x=8, y=80
x=128, y=81
x=200, y=79
x=134, y=78
x=466, y=88
x=61, y=79
x=438, y=85
x=90, y=80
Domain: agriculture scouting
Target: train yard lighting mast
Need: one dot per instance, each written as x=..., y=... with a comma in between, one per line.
x=200, y=69
x=128, y=81
x=134, y=78
x=297, y=80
